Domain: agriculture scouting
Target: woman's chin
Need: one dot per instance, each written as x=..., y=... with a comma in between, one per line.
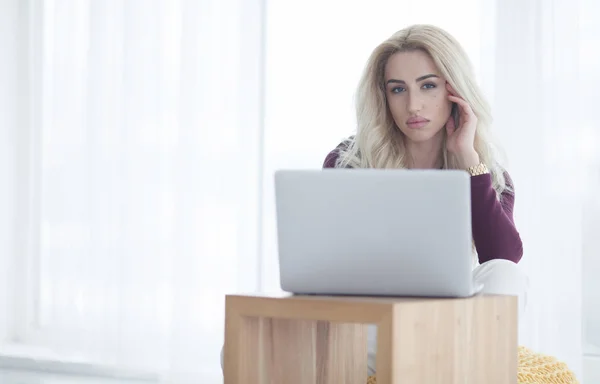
x=421, y=135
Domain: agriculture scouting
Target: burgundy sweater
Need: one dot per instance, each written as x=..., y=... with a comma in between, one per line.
x=494, y=231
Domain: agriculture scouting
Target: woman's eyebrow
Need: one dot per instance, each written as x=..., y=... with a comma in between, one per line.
x=424, y=77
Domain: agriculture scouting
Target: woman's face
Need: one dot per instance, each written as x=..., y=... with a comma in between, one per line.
x=416, y=95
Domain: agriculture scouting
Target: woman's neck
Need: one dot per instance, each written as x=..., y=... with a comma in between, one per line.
x=425, y=155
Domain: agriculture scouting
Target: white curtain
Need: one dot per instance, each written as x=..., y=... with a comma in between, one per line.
x=143, y=179
x=142, y=135
x=536, y=93
x=9, y=48
x=546, y=60
x=590, y=83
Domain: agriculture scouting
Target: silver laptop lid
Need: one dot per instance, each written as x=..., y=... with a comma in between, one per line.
x=374, y=232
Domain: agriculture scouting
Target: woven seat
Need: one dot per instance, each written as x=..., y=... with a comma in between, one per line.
x=535, y=368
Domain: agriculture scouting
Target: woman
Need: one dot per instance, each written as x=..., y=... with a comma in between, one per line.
x=418, y=106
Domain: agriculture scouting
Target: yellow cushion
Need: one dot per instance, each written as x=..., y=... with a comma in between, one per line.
x=535, y=368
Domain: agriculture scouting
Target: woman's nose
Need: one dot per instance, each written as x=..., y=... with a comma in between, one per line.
x=415, y=104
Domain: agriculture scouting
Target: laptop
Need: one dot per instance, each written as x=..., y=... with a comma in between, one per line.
x=374, y=232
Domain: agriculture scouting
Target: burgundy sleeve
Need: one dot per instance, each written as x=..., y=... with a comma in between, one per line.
x=331, y=159
x=494, y=231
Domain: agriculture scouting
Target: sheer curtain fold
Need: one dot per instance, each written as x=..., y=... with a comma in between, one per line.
x=150, y=170
x=589, y=30
x=538, y=91
x=9, y=119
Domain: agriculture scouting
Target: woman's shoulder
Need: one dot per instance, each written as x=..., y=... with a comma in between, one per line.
x=332, y=157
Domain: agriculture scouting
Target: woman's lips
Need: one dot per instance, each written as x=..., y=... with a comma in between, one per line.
x=416, y=122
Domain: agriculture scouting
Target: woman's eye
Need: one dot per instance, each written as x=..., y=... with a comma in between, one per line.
x=429, y=86
x=397, y=90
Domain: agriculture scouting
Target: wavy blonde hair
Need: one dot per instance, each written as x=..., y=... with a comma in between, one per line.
x=378, y=142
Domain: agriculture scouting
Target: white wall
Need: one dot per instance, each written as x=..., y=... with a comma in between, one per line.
x=315, y=54
x=9, y=15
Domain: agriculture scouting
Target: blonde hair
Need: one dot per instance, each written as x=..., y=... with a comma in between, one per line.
x=378, y=143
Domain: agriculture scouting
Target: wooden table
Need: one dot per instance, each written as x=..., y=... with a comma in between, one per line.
x=322, y=339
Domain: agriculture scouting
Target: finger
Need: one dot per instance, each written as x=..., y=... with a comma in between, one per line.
x=465, y=108
x=450, y=125
x=454, y=95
